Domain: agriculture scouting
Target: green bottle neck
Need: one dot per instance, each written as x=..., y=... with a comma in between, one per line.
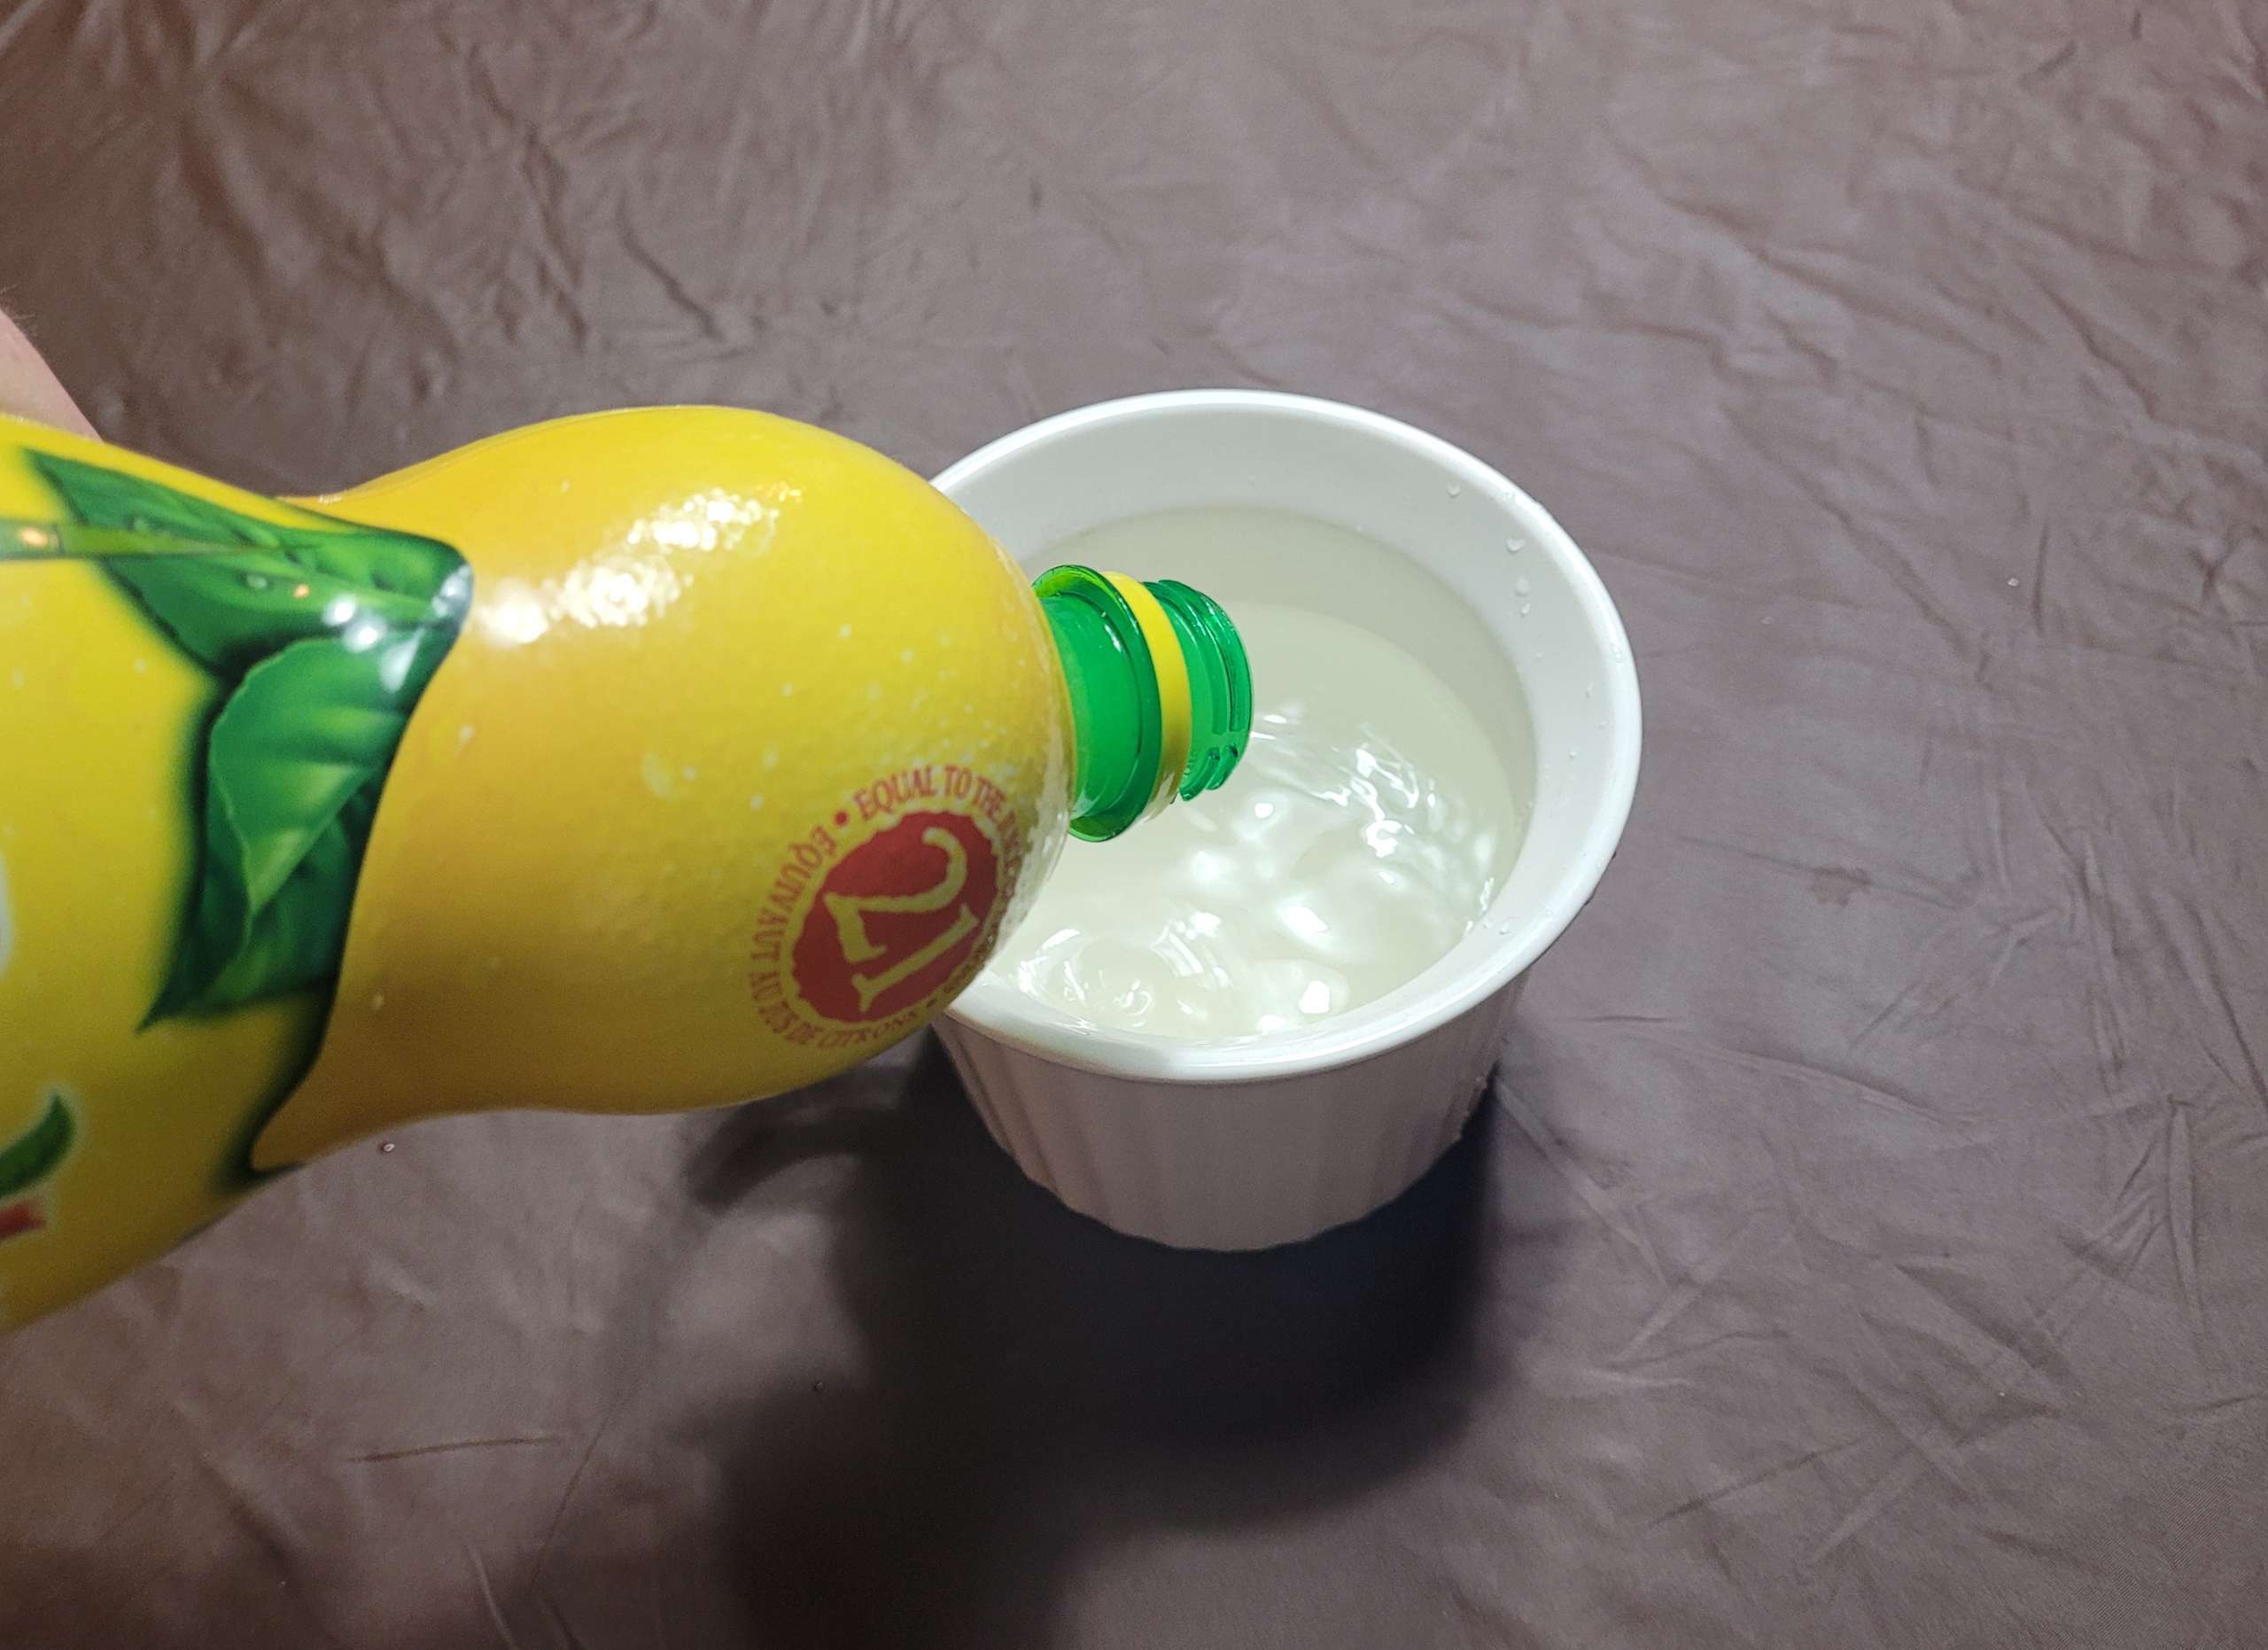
x=1161, y=694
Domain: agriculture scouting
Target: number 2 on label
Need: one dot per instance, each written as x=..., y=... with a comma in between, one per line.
x=851, y=911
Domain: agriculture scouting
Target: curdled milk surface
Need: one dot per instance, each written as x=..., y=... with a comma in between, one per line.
x=1371, y=823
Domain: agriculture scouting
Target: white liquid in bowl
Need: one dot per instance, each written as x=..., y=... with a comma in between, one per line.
x=1372, y=819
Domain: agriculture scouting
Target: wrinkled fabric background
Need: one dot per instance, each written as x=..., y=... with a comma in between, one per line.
x=1864, y=1241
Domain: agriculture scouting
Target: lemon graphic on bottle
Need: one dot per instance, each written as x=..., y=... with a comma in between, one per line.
x=638, y=761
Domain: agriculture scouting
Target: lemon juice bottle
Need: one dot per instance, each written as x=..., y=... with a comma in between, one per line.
x=634, y=762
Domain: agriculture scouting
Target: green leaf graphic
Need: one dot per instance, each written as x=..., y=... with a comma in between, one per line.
x=396, y=562
x=323, y=635
x=293, y=769
x=34, y=1154
x=277, y=584
x=229, y=611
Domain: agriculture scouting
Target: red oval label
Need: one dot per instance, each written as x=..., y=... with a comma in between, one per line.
x=894, y=917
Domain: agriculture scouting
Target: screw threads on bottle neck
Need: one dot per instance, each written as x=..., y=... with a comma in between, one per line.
x=1160, y=693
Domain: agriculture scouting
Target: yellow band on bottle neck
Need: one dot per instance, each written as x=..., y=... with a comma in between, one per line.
x=1173, y=687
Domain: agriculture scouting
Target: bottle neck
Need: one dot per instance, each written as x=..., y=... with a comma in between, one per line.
x=1160, y=689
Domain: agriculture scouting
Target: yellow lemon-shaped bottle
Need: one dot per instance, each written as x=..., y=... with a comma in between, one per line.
x=635, y=762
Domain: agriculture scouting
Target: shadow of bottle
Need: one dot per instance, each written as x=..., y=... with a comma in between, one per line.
x=1042, y=1386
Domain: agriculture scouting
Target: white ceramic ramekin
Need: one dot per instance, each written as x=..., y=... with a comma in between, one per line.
x=1263, y=1141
